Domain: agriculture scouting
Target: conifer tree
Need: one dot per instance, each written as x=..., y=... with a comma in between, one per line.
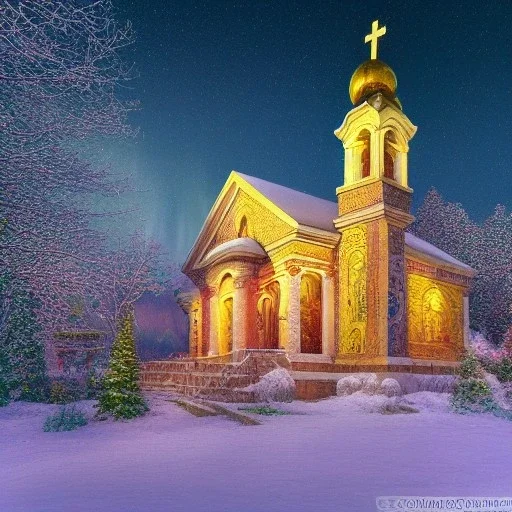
x=121, y=396
x=23, y=372
x=487, y=248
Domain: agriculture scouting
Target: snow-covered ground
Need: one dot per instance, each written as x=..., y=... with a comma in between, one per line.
x=333, y=455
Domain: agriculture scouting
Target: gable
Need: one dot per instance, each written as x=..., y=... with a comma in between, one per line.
x=238, y=200
x=263, y=225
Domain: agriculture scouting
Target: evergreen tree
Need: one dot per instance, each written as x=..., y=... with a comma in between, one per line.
x=121, y=395
x=23, y=372
x=493, y=287
x=447, y=226
x=487, y=248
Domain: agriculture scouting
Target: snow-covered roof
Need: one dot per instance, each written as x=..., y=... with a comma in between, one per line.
x=237, y=248
x=417, y=244
x=320, y=213
x=305, y=209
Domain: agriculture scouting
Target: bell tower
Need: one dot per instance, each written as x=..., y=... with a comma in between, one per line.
x=373, y=212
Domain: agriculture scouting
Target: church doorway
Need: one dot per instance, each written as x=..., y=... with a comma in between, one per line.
x=226, y=292
x=311, y=314
x=268, y=317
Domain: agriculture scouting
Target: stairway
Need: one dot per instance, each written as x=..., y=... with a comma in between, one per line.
x=211, y=379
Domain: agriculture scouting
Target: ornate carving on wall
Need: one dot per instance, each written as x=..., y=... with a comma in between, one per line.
x=397, y=335
x=414, y=266
x=304, y=249
x=264, y=226
x=435, y=312
x=373, y=193
x=360, y=197
x=354, y=311
x=397, y=198
x=377, y=249
x=195, y=321
x=424, y=269
x=396, y=240
x=293, y=270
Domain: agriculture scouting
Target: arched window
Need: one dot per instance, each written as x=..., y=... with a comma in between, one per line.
x=311, y=314
x=243, y=230
x=364, y=138
x=389, y=155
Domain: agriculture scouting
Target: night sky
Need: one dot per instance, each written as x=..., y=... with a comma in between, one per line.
x=260, y=87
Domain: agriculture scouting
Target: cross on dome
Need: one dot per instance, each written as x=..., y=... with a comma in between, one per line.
x=373, y=38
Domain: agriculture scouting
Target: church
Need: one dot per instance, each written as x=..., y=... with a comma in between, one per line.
x=333, y=282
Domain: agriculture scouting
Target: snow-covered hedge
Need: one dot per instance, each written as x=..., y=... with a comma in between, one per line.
x=366, y=382
x=390, y=387
x=276, y=386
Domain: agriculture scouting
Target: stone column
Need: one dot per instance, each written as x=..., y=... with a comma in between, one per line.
x=328, y=344
x=294, y=313
x=209, y=317
x=466, y=319
x=244, y=312
x=191, y=303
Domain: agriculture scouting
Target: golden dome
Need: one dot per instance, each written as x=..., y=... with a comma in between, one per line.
x=370, y=77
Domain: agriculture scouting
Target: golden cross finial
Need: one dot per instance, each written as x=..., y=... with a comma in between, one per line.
x=376, y=33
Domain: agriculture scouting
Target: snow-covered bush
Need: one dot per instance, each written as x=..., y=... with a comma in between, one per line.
x=276, y=386
x=394, y=406
x=484, y=349
x=22, y=363
x=67, y=418
x=497, y=361
x=390, y=387
x=499, y=392
x=371, y=384
x=471, y=395
x=348, y=385
x=366, y=382
x=64, y=391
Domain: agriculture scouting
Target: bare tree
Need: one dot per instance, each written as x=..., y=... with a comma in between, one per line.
x=61, y=88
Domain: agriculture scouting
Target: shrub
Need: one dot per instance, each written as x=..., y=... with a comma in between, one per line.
x=264, y=411
x=470, y=366
x=93, y=386
x=502, y=368
x=22, y=362
x=470, y=393
x=67, y=418
x=121, y=396
x=64, y=391
x=4, y=393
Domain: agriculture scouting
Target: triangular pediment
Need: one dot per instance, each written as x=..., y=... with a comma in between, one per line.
x=264, y=221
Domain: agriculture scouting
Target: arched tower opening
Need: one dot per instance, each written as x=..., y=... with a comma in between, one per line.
x=364, y=156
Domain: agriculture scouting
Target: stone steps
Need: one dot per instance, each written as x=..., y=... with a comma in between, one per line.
x=220, y=394
x=212, y=378
x=197, y=379
x=182, y=366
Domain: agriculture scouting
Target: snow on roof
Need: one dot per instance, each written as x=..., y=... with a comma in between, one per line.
x=238, y=247
x=320, y=213
x=420, y=245
x=305, y=209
